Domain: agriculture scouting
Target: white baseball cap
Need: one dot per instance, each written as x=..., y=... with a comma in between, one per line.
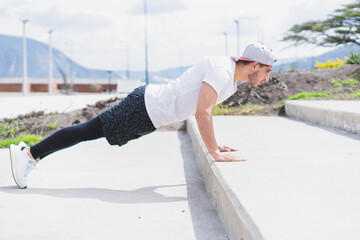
x=257, y=52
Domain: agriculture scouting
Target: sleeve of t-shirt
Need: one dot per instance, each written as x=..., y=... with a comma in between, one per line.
x=216, y=78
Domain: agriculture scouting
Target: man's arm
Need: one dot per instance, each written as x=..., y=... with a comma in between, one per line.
x=206, y=103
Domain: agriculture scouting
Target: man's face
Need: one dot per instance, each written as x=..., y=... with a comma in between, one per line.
x=259, y=75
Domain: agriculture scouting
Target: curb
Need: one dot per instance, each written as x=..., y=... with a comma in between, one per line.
x=237, y=222
x=322, y=115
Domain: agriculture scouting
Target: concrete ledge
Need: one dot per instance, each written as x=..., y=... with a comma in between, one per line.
x=300, y=181
x=236, y=220
x=344, y=115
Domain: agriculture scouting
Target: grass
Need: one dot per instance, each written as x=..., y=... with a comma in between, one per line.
x=326, y=94
x=350, y=82
x=339, y=85
x=29, y=139
x=292, y=69
x=337, y=90
x=10, y=134
x=32, y=114
x=241, y=110
x=353, y=95
x=8, y=129
x=53, y=125
x=221, y=110
x=307, y=95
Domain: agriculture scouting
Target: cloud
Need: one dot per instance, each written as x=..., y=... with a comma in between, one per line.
x=6, y=6
x=3, y=12
x=158, y=7
x=79, y=21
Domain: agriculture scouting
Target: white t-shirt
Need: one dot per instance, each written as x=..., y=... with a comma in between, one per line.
x=177, y=100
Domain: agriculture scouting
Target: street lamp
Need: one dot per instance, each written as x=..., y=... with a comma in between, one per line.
x=25, y=82
x=50, y=88
x=259, y=31
x=146, y=46
x=259, y=28
x=226, y=43
x=238, y=36
x=109, y=72
x=70, y=59
x=127, y=63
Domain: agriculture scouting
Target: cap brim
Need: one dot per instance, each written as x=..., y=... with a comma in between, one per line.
x=243, y=59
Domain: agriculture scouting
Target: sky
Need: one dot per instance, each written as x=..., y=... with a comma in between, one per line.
x=110, y=35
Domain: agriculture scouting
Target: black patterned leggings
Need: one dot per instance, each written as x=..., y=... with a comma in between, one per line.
x=121, y=123
x=68, y=137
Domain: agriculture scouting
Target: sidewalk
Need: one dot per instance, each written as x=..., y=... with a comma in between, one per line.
x=12, y=105
x=301, y=180
x=150, y=188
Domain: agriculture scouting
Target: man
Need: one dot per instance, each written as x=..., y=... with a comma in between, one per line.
x=197, y=91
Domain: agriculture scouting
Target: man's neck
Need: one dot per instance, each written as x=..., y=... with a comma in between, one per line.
x=240, y=72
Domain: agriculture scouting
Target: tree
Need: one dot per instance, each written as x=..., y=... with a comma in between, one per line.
x=341, y=27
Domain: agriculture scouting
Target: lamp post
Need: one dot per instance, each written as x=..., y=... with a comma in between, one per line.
x=109, y=72
x=25, y=82
x=238, y=36
x=146, y=46
x=259, y=31
x=51, y=87
x=226, y=43
x=70, y=65
x=127, y=63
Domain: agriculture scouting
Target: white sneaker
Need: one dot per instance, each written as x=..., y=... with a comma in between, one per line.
x=21, y=164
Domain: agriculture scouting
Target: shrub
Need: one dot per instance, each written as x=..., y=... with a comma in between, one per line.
x=330, y=64
x=354, y=58
x=357, y=76
x=95, y=86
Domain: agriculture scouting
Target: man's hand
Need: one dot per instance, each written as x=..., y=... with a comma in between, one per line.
x=226, y=157
x=223, y=148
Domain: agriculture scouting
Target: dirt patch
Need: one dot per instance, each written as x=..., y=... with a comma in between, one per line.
x=265, y=97
x=285, y=85
x=45, y=124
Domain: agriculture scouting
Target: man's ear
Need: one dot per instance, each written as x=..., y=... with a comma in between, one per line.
x=254, y=66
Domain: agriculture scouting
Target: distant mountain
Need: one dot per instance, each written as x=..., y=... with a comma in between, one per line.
x=37, y=58
x=11, y=64
x=309, y=62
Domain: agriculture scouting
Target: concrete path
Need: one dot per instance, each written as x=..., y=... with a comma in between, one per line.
x=301, y=180
x=12, y=105
x=150, y=188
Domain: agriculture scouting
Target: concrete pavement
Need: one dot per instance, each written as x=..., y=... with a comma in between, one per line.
x=300, y=181
x=150, y=188
x=12, y=105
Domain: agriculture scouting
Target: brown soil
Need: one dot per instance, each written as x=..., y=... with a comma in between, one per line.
x=281, y=86
x=285, y=85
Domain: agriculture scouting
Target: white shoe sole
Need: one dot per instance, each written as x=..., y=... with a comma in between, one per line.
x=13, y=165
